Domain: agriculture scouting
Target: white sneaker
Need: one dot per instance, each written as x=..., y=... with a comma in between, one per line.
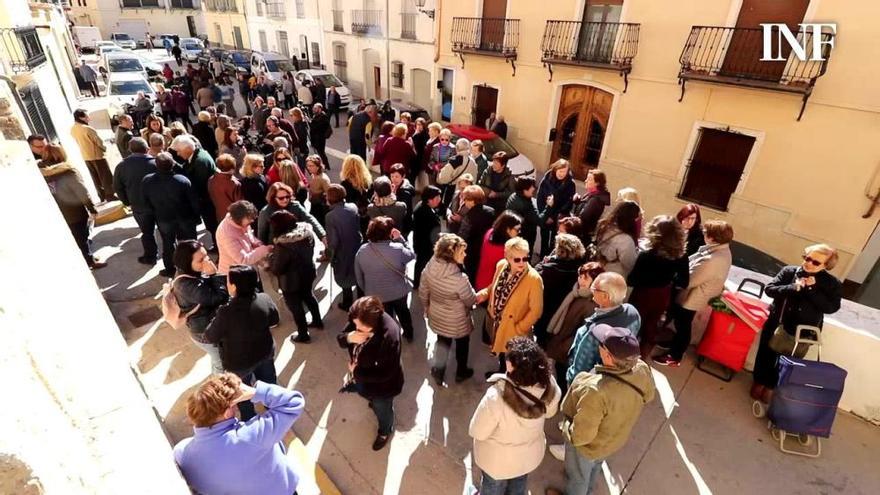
x=558, y=451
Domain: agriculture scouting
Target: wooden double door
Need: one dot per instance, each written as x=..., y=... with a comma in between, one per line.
x=581, y=125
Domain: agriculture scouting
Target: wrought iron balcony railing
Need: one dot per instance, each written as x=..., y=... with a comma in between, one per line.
x=730, y=55
x=366, y=22
x=408, y=25
x=492, y=36
x=337, y=21
x=23, y=49
x=275, y=10
x=603, y=45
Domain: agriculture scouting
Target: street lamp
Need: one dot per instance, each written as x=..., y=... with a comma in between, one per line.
x=421, y=4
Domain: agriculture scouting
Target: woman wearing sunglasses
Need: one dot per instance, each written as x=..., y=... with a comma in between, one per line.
x=516, y=298
x=802, y=295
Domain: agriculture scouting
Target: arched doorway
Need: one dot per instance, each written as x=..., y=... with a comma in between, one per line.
x=580, y=127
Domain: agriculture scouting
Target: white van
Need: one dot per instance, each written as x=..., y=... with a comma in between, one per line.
x=271, y=65
x=86, y=37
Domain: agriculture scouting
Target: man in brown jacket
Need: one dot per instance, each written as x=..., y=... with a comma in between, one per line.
x=602, y=406
x=92, y=148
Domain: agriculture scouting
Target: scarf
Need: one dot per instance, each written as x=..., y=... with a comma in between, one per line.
x=386, y=201
x=555, y=324
x=507, y=283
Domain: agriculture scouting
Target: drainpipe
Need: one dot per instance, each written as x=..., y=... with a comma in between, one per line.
x=14, y=87
x=388, y=47
x=438, y=15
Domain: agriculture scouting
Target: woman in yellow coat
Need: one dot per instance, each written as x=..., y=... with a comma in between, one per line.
x=516, y=297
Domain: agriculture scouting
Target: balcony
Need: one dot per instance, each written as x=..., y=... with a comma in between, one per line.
x=23, y=49
x=601, y=45
x=185, y=4
x=731, y=56
x=495, y=37
x=366, y=22
x=275, y=10
x=139, y=4
x=337, y=21
x=408, y=25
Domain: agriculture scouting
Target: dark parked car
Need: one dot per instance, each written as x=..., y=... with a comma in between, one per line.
x=236, y=61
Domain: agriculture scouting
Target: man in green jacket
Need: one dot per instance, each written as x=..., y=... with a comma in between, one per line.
x=602, y=406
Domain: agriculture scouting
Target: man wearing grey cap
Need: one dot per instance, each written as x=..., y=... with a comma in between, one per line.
x=602, y=406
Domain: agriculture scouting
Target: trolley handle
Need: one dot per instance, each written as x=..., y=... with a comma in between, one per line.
x=804, y=335
x=750, y=281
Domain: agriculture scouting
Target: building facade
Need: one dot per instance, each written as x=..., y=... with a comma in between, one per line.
x=227, y=23
x=38, y=90
x=288, y=27
x=138, y=17
x=673, y=100
x=382, y=49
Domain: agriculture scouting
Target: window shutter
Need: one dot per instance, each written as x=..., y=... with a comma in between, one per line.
x=38, y=113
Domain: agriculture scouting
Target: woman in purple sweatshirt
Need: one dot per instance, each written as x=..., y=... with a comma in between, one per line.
x=228, y=456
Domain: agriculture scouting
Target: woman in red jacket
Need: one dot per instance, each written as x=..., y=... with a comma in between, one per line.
x=506, y=226
x=395, y=149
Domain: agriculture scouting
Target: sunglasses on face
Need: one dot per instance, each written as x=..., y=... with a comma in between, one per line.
x=519, y=260
x=812, y=261
x=282, y=198
x=444, y=140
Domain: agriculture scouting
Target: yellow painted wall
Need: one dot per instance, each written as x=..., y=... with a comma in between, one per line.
x=806, y=180
x=227, y=20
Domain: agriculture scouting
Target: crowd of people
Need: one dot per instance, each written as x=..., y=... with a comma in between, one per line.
x=572, y=293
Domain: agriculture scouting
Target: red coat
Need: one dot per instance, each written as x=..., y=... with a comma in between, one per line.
x=394, y=150
x=490, y=255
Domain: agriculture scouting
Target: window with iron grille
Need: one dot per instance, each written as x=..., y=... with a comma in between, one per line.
x=339, y=64
x=300, y=9
x=264, y=43
x=397, y=74
x=316, y=55
x=716, y=167
x=283, y=46
x=259, y=7
x=37, y=112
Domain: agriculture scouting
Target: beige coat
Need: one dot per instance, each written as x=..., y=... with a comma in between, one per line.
x=90, y=144
x=600, y=411
x=508, y=428
x=708, y=272
x=523, y=307
x=448, y=299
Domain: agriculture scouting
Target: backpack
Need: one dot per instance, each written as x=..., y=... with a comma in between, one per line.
x=171, y=308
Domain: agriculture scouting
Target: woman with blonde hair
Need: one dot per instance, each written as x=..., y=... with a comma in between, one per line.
x=223, y=123
x=279, y=156
x=802, y=295
x=357, y=181
x=253, y=182
x=516, y=298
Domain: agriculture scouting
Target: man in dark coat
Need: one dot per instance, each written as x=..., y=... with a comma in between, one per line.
x=198, y=167
x=319, y=92
x=357, y=130
x=497, y=182
x=127, y=182
x=521, y=203
x=172, y=200
x=426, y=230
x=500, y=127
x=334, y=102
x=343, y=225
x=124, y=135
x=319, y=131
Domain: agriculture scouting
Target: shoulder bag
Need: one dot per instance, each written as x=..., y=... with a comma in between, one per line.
x=389, y=265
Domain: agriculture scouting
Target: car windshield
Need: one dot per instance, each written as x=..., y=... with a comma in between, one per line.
x=192, y=46
x=129, y=88
x=125, y=65
x=122, y=37
x=492, y=146
x=328, y=80
x=239, y=58
x=279, y=66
